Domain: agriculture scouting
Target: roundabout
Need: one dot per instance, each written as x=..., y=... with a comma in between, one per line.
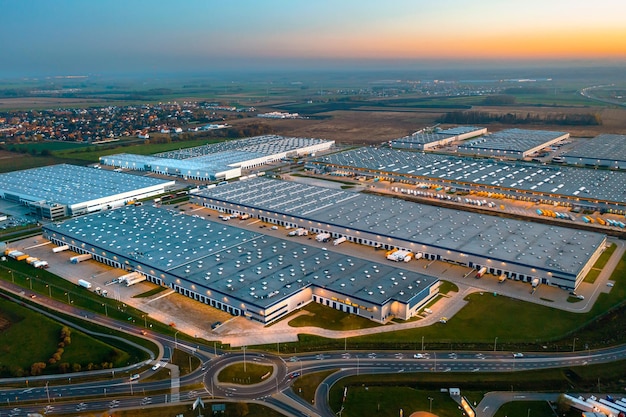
x=264, y=375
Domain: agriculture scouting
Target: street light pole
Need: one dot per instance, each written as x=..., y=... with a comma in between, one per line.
x=106, y=311
x=47, y=392
x=430, y=408
x=495, y=343
x=176, y=339
x=145, y=320
x=574, y=344
x=422, y=343
x=49, y=290
x=244, y=359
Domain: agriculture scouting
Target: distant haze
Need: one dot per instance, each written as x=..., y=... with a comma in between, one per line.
x=64, y=37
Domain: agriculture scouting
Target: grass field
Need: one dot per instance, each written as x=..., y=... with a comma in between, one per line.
x=305, y=385
x=232, y=410
x=38, y=337
x=330, y=318
x=253, y=373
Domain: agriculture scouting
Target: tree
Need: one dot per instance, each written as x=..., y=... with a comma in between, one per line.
x=37, y=368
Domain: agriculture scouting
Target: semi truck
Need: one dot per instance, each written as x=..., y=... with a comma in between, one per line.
x=323, y=237
x=481, y=272
x=400, y=255
x=502, y=278
x=18, y=255
x=535, y=282
x=60, y=248
x=84, y=284
x=41, y=264
x=339, y=241
x=79, y=258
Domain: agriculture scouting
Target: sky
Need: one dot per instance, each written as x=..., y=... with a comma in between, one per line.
x=86, y=36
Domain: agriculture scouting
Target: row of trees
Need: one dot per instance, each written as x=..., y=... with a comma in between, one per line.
x=563, y=119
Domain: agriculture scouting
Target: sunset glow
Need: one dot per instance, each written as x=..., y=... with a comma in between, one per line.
x=197, y=33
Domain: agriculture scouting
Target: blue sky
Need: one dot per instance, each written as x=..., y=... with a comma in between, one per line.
x=72, y=36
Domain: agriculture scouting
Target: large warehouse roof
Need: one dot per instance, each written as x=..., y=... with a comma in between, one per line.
x=567, y=181
x=517, y=140
x=259, y=145
x=547, y=247
x=222, y=160
x=70, y=184
x=252, y=267
x=607, y=147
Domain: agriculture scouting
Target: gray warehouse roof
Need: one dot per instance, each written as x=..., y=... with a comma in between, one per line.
x=513, y=140
x=250, y=266
x=604, y=147
x=551, y=248
x=558, y=180
x=71, y=184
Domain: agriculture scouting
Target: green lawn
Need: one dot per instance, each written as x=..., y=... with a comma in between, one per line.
x=330, y=318
x=38, y=337
x=526, y=409
x=232, y=410
x=592, y=275
x=447, y=286
x=306, y=385
x=150, y=293
x=606, y=255
x=253, y=373
x=387, y=401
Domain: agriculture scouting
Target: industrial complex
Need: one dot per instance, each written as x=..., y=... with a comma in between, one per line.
x=220, y=161
x=238, y=271
x=512, y=143
x=552, y=255
x=59, y=191
x=563, y=185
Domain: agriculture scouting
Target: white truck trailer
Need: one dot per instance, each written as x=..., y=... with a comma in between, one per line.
x=84, y=284
x=135, y=280
x=79, y=258
x=323, y=237
x=339, y=240
x=60, y=248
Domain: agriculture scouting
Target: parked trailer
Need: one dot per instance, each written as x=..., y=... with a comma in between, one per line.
x=323, y=237
x=609, y=411
x=60, y=248
x=339, y=241
x=84, y=284
x=578, y=403
x=400, y=255
x=31, y=260
x=125, y=278
x=135, y=280
x=614, y=405
x=41, y=264
x=79, y=258
x=481, y=272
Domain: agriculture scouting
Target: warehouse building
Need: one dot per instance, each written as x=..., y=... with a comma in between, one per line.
x=567, y=186
x=241, y=272
x=605, y=150
x=512, y=143
x=220, y=161
x=59, y=191
x=423, y=140
x=524, y=251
